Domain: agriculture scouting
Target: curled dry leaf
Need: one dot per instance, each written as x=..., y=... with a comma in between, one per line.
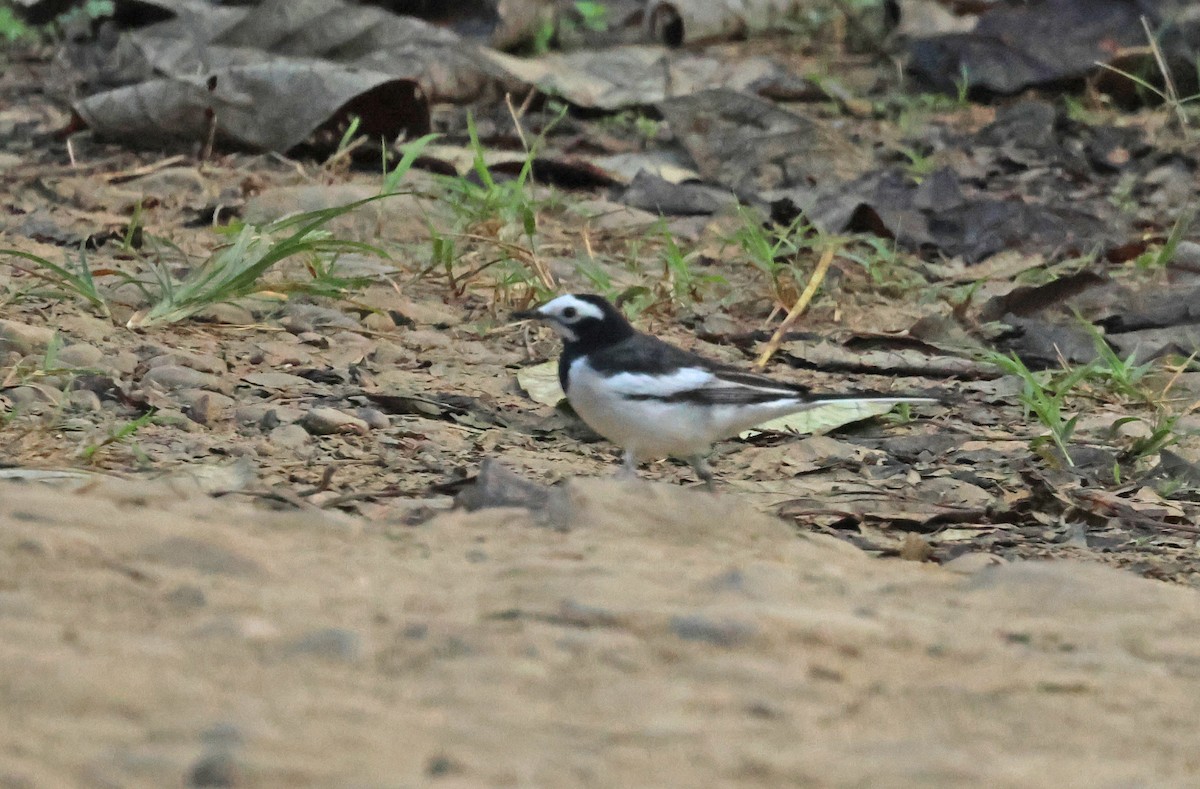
x=540, y=382
x=823, y=419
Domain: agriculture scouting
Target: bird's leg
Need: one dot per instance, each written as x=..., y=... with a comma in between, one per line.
x=628, y=466
x=703, y=472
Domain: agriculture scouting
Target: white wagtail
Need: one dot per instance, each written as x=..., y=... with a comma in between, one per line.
x=653, y=399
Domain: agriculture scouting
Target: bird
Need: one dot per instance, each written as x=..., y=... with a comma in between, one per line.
x=654, y=399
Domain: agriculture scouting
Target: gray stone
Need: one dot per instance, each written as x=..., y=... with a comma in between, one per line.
x=59, y=382
x=203, y=362
x=275, y=380
x=289, y=436
x=187, y=596
x=251, y=414
x=1187, y=253
x=328, y=421
x=441, y=764
x=23, y=338
x=280, y=415
x=33, y=397
x=387, y=354
x=170, y=377
x=315, y=339
x=345, y=339
x=375, y=419
x=123, y=362
x=204, y=407
x=80, y=355
x=722, y=633
x=84, y=400
x=217, y=768
x=332, y=643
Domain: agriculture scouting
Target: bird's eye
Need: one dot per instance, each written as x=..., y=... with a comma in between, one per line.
x=570, y=312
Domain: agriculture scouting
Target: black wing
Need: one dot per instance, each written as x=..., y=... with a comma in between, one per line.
x=730, y=386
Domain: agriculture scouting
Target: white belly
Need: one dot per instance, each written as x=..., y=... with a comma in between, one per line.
x=653, y=428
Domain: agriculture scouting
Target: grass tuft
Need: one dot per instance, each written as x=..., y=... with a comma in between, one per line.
x=234, y=270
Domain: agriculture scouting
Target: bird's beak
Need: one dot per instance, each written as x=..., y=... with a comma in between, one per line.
x=528, y=315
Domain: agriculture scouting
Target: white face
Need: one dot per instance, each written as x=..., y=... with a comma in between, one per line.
x=565, y=311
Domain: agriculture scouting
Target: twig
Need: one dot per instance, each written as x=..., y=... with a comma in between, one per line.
x=210, y=136
x=1168, y=81
x=516, y=120
x=814, y=282
x=146, y=169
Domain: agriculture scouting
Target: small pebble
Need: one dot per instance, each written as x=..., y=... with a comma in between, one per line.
x=314, y=339
x=123, y=362
x=187, y=596
x=378, y=322
x=376, y=419
x=388, y=355
x=171, y=377
x=23, y=338
x=84, y=400
x=440, y=765
x=327, y=421
x=204, y=412
x=273, y=379
x=251, y=414
x=80, y=355
x=214, y=769
x=203, y=362
x=289, y=436
x=333, y=643
x=296, y=325
x=203, y=407
x=280, y=415
x=33, y=397
x=1187, y=253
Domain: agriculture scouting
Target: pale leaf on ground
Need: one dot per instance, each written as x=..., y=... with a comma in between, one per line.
x=823, y=419
x=540, y=382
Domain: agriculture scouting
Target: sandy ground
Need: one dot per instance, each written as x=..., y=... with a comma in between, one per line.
x=653, y=636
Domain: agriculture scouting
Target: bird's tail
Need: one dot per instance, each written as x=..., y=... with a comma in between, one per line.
x=861, y=397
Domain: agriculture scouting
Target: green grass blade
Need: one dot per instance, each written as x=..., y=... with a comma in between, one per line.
x=411, y=151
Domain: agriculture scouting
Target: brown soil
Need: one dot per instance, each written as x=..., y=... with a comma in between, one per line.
x=264, y=585
x=655, y=637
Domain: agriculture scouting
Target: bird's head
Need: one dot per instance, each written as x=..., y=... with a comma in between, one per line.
x=582, y=320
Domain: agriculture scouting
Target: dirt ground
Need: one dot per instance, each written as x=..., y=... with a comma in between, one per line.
x=654, y=636
x=228, y=554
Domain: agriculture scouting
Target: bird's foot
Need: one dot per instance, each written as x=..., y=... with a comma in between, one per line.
x=704, y=472
x=628, y=467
